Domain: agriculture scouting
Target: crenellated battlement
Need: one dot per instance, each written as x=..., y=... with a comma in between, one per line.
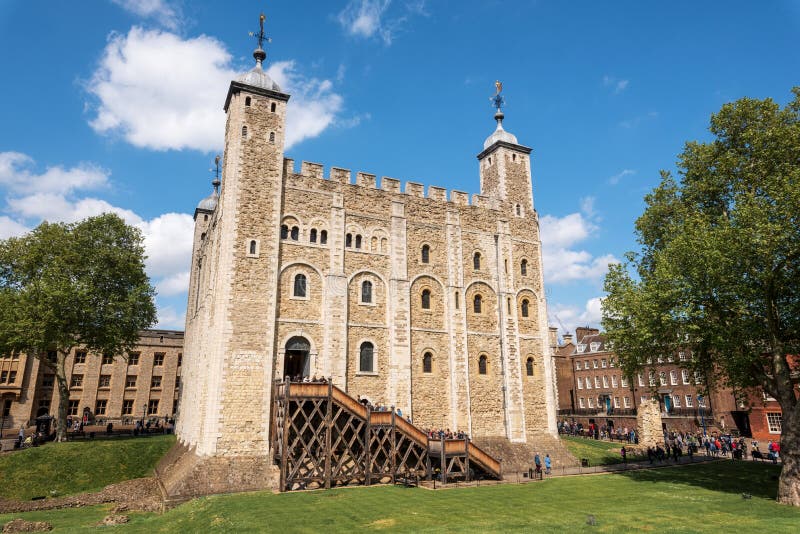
x=391, y=185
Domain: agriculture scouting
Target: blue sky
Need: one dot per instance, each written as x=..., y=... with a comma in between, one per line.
x=117, y=105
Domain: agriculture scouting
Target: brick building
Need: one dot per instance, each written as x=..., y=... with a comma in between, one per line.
x=429, y=302
x=146, y=382
x=596, y=390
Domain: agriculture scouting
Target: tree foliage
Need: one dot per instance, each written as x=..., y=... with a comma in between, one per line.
x=719, y=267
x=63, y=285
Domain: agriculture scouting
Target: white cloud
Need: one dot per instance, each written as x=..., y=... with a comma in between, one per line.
x=617, y=85
x=562, y=261
x=313, y=106
x=173, y=285
x=635, y=121
x=362, y=18
x=163, y=12
x=16, y=174
x=614, y=180
x=569, y=317
x=159, y=91
x=168, y=244
x=11, y=228
x=168, y=318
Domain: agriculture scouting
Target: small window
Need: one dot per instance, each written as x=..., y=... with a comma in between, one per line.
x=155, y=382
x=100, y=407
x=366, y=291
x=524, y=307
x=247, y=102
x=77, y=381
x=456, y=295
x=244, y=132
x=519, y=210
x=284, y=232
x=426, y=299
x=272, y=137
x=508, y=304
x=158, y=359
x=312, y=236
x=476, y=261
x=323, y=237
x=108, y=359
x=272, y=107
x=130, y=381
x=482, y=365
x=358, y=240
x=80, y=357
x=426, y=254
x=427, y=363
x=133, y=358
x=180, y=359
x=72, y=408
x=529, y=366
x=127, y=407
x=152, y=407
x=348, y=240
x=252, y=246
x=514, y=158
x=374, y=243
x=477, y=303
x=523, y=268
x=48, y=380
x=299, y=285
x=12, y=377
x=104, y=381
x=366, y=357
x=295, y=234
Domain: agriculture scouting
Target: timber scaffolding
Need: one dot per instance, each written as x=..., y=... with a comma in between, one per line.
x=322, y=437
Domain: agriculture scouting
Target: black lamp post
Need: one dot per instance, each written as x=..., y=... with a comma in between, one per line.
x=144, y=411
x=700, y=404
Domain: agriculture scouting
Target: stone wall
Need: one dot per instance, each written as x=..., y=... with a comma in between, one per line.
x=648, y=421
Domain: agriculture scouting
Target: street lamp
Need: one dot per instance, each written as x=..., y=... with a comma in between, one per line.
x=701, y=405
x=144, y=411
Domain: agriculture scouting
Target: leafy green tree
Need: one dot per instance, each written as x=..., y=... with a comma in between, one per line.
x=65, y=285
x=719, y=268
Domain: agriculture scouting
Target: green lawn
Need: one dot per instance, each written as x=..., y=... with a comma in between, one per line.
x=698, y=498
x=598, y=452
x=78, y=466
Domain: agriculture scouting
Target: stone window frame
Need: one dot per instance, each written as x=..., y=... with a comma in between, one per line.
x=425, y=291
x=425, y=254
x=107, y=359
x=133, y=358
x=361, y=301
x=293, y=286
x=80, y=357
x=104, y=378
x=427, y=361
x=524, y=308
x=477, y=261
x=253, y=247
x=247, y=102
x=523, y=267
x=127, y=406
x=477, y=302
x=76, y=381
x=359, y=345
x=159, y=358
x=100, y=406
x=152, y=406
x=290, y=225
x=530, y=366
x=156, y=382
x=483, y=364
x=72, y=407
x=131, y=384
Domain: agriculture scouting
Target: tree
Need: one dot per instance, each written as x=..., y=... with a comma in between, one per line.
x=65, y=285
x=719, y=267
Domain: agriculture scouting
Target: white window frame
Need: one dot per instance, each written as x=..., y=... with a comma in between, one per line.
x=673, y=377
x=577, y=366
x=605, y=381
x=685, y=376
x=594, y=346
x=614, y=381
x=626, y=402
x=580, y=384
x=585, y=364
x=597, y=382
x=689, y=401
x=623, y=382
x=662, y=378
x=676, y=401
x=603, y=363
x=581, y=404
x=775, y=422
x=591, y=402
x=588, y=383
x=616, y=402
x=594, y=364
x=641, y=380
x=581, y=348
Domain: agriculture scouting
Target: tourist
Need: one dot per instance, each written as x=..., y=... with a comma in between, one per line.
x=547, y=464
x=538, y=462
x=624, y=454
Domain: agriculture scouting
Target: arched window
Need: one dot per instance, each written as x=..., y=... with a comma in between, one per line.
x=272, y=137
x=272, y=107
x=523, y=268
x=426, y=254
x=519, y=210
x=323, y=237
x=482, y=364
x=456, y=295
x=299, y=285
x=313, y=235
x=524, y=307
x=427, y=363
x=247, y=101
x=295, y=233
x=348, y=240
x=529, y=367
x=366, y=291
x=384, y=244
x=476, y=304
x=426, y=299
x=253, y=246
x=476, y=261
x=366, y=358
x=244, y=132
x=374, y=244
x=358, y=240
x=284, y=232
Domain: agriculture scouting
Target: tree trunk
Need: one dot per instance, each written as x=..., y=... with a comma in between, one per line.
x=63, y=396
x=789, y=484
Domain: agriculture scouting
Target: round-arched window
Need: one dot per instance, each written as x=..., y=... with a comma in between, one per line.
x=366, y=360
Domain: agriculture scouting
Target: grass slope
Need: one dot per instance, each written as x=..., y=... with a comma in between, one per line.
x=699, y=498
x=598, y=452
x=78, y=466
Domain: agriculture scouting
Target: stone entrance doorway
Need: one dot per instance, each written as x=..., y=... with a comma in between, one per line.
x=295, y=359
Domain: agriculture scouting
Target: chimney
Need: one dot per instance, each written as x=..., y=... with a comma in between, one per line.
x=567, y=339
x=553, y=336
x=583, y=331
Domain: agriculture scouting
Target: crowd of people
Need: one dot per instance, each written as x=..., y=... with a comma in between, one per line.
x=306, y=379
x=597, y=431
x=445, y=433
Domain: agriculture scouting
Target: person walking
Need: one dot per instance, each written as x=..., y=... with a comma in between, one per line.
x=624, y=454
x=547, y=464
x=538, y=463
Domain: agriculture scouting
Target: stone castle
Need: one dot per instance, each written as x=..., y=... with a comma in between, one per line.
x=428, y=302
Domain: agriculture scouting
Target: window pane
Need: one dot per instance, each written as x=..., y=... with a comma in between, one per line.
x=366, y=357
x=300, y=285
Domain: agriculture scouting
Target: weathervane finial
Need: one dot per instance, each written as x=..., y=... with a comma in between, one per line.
x=215, y=182
x=497, y=100
x=259, y=53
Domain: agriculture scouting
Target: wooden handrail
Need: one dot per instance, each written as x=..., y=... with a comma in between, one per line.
x=483, y=458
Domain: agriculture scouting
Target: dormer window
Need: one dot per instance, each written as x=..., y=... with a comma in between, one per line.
x=581, y=348
x=594, y=346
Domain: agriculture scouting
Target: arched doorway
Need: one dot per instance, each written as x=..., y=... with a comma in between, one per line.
x=295, y=359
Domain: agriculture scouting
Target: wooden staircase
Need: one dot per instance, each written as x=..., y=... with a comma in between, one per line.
x=322, y=437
